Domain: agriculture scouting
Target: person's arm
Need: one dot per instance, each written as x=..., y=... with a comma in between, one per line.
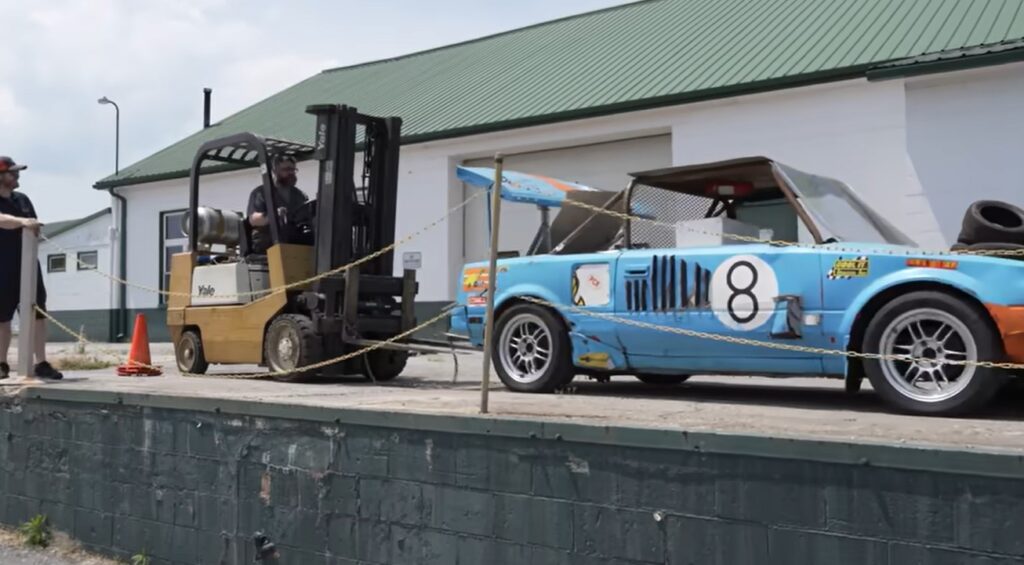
x=257, y=209
x=8, y=222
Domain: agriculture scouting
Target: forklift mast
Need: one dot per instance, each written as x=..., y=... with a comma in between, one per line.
x=355, y=217
x=354, y=220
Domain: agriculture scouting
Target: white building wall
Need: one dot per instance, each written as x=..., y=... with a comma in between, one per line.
x=854, y=130
x=75, y=289
x=966, y=139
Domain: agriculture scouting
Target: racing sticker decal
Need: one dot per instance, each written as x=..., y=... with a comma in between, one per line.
x=743, y=291
x=477, y=301
x=474, y=279
x=595, y=360
x=849, y=268
x=590, y=285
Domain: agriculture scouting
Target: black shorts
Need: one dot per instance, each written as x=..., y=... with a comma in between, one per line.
x=10, y=295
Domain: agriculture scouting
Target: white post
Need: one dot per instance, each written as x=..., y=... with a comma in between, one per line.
x=492, y=281
x=27, y=302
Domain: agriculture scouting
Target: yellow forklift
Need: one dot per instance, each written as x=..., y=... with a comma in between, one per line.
x=230, y=305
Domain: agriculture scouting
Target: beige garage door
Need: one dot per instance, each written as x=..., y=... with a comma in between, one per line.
x=605, y=166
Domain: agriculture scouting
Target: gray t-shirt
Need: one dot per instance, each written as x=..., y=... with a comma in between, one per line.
x=290, y=197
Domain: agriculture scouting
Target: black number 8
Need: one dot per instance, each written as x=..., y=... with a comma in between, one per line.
x=737, y=292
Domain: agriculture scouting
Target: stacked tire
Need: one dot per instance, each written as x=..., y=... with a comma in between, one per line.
x=991, y=225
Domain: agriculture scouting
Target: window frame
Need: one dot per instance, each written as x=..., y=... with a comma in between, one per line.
x=95, y=264
x=164, y=242
x=49, y=263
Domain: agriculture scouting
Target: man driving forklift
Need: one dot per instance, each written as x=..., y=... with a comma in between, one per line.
x=288, y=197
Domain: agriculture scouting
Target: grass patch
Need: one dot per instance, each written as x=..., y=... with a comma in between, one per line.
x=83, y=363
x=36, y=532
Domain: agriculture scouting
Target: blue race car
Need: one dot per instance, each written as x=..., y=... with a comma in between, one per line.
x=710, y=286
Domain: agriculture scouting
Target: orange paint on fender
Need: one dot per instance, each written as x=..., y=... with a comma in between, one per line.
x=1010, y=321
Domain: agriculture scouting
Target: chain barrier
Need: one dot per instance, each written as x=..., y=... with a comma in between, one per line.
x=265, y=374
x=769, y=344
x=291, y=285
x=783, y=243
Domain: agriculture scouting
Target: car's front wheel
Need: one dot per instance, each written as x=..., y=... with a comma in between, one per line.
x=931, y=329
x=532, y=352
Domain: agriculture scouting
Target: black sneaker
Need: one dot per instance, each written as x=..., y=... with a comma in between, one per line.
x=46, y=371
x=5, y=371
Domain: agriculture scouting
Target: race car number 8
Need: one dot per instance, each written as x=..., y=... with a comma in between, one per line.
x=743, y=291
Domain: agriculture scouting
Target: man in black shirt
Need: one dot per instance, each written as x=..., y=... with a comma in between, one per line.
x=17, y=214
x=287, y=197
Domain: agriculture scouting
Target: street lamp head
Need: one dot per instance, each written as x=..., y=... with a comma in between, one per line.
x=104, y=100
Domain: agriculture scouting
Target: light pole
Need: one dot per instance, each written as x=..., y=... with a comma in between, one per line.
x=119, y=323
x=117, y=132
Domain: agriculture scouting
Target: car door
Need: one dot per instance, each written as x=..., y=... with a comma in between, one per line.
x=755, y=292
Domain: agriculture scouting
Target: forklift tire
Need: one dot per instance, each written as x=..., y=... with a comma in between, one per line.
x=384, y=364
x=188, y=352
x=291, y=343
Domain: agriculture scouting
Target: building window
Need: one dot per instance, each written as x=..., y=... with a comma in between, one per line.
x=87, y=260
x=56, y=263
x=173, y=240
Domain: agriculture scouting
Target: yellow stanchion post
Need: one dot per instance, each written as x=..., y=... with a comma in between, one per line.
x=492, y=281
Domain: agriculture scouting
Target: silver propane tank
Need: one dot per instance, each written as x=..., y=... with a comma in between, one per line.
x=216, y=226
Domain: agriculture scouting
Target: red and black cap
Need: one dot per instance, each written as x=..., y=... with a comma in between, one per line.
x=7, y=165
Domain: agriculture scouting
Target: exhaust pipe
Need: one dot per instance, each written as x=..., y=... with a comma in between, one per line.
x=206, y=107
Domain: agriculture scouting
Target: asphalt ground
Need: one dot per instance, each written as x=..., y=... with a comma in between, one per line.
x=802, y=408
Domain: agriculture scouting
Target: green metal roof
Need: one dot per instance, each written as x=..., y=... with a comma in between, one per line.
x=53, y=229
x=640, y=55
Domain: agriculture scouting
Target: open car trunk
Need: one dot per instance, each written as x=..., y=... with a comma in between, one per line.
x=578, y=230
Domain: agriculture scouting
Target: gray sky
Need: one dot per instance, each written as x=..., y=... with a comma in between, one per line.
x=154, y=57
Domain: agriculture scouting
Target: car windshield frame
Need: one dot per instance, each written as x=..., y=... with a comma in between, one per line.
x=837, y=210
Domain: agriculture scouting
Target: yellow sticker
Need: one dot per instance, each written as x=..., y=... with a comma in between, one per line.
x=474, y=279
x=856, y=267
x=596, y=360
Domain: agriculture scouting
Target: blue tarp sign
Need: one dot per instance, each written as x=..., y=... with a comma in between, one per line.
x=522, y=187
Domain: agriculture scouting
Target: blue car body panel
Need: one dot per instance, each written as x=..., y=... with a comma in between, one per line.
x=733, y=291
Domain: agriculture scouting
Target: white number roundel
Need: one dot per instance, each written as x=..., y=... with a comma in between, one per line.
x=743, y=291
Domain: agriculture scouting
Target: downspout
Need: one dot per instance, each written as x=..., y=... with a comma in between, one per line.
x=120, y=320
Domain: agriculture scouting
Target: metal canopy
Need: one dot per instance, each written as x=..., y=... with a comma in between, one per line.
x=243, y=153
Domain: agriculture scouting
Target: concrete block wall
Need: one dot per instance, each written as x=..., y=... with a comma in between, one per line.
x=191, y=482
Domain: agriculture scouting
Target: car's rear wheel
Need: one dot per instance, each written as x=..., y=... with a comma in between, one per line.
x=662, y=380
x=532, y=352
x=934, y=329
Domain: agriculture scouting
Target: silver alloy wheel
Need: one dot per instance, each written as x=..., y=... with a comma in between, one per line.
x=285, y=353
x=934, y=337
x=525, y=347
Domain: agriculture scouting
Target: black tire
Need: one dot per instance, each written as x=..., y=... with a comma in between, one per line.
x=992, y=221
x=189, y=354
x=854, y=381
x=383, y=365
x=303, y=349
x=556, y=373
x=662, y=380
x=971, y=329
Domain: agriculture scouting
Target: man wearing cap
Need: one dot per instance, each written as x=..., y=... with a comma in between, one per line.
x=17, y=214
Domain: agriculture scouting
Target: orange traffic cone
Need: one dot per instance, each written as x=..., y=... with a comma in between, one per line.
x=139, y=362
